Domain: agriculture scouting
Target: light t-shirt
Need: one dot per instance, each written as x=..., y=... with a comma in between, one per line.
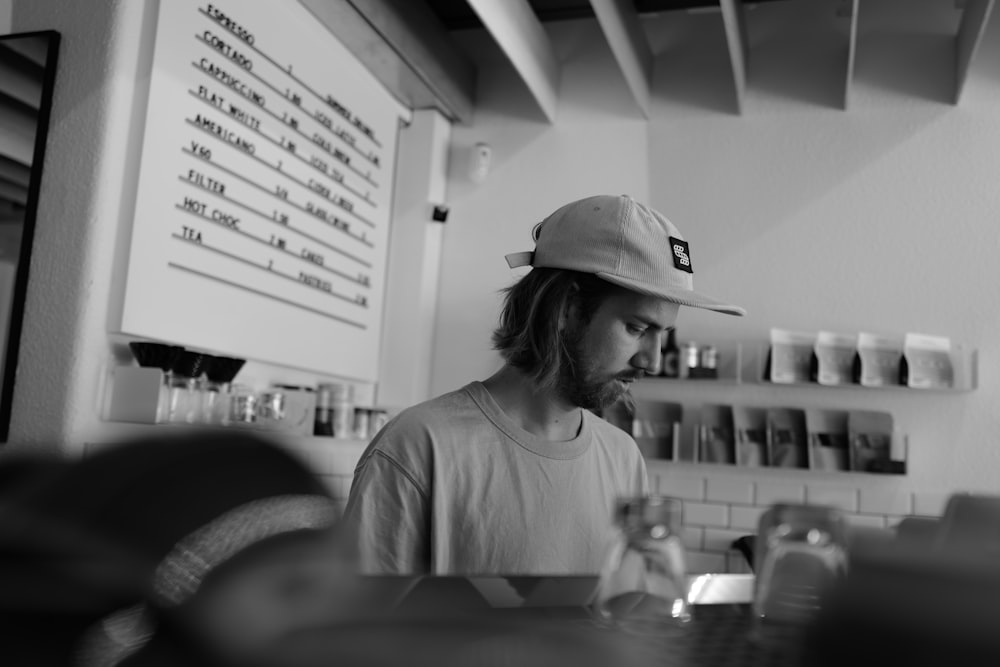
x=454, y=486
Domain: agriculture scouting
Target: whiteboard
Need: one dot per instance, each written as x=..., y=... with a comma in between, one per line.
x=265, y=184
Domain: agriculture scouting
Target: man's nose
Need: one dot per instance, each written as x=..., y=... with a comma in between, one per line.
x=649, y=358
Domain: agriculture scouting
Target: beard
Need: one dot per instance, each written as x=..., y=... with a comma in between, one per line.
x=583, y=385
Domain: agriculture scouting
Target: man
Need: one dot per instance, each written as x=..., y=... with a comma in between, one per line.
x=515, y=474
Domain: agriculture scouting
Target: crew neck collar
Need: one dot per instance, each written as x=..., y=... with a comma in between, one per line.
x=564, y=449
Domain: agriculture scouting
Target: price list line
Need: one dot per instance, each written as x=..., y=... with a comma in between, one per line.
x=270, y=219
x=336, y=223
x=357, y=172
x=272, y=246
x=286, y=69
x=368, y=157
x=245, y=288
x=332, y=179
x=272, y=271
x=278, y=169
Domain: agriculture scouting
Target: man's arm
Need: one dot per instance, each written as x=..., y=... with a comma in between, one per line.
x=389, y=513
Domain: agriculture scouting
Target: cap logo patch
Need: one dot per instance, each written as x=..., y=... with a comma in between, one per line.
x=682, y=255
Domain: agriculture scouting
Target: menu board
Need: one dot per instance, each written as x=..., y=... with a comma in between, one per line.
x=262, y=214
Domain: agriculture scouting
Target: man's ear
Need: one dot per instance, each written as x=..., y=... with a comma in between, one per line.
x=571, y=307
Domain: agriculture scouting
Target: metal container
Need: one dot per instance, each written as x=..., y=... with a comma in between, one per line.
x=689, y=358
x=709, y=357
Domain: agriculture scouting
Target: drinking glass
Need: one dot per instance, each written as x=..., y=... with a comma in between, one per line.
x=643, y=586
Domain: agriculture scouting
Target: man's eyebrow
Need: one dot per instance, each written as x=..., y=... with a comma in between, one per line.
x=652, y=323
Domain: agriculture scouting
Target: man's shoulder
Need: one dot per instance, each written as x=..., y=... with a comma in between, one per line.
x=608, y=431
x=431, y=421
x=613, y=439
x=437, y=411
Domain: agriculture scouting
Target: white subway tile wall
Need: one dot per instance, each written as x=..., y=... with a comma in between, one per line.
x=884, y=501
x=835, y=496
x=678, y=487
x=730, y=507
x=929, y=504
x=730, y=490
x=770, y=493
x=706, y=514
x=718, y=508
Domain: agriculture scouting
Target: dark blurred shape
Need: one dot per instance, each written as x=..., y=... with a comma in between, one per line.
x=55, y=581
x=971, y=523
x=155, y=355
x=913, y=607
x=928, y=596
x=745, y=545
x=146, y=526
x=918, y=531
x=190, y=364
x=222, y=370
x=459, y=641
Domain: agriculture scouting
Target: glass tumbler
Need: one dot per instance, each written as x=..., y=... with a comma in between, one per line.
x=643, y=586
x=800, y=554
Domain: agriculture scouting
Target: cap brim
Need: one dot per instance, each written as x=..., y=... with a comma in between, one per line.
x=682, y=297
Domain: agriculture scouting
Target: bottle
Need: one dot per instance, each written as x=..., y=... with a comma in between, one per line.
x=643, y=586
x=671, y=356
x=323, y=424
x=343, y=411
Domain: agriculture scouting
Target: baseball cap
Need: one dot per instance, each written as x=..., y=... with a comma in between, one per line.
x=623, y=242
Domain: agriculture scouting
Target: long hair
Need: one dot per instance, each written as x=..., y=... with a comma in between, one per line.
x=528, y=336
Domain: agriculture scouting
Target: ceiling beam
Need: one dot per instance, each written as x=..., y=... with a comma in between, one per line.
x=620, y=23
x=970, y=34
x=735, y=23
x=522, y=38
x=406, y=47
x=852, y=50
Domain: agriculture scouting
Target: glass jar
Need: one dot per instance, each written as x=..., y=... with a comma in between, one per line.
x=643, y=586
x=800, y=556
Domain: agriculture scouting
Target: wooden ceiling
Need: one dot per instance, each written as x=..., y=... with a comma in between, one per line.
x=459, y=15
x=410, y=46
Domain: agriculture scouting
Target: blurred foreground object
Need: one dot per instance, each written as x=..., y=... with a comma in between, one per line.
x=220, y=542
x=644, y=579
x=800, y=557
x=929, y=596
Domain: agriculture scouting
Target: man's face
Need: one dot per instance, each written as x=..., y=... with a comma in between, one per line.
x=619, y=345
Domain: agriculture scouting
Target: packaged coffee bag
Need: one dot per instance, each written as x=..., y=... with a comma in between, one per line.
x=878, y=359
x=926, y=362
x=653, y=428
x=828, y=439
x=835, y=358
x=715, y=435
x=870, y=435
x=791, y=356
x=750, y=426
x=786, y=438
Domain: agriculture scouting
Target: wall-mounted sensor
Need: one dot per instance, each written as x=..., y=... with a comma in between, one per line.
x=479, y=162
x=440, y=213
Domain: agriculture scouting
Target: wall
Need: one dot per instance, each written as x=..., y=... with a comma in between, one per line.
x=880, y=218
x=82, y=235
x=6, y=9
x=89, y=178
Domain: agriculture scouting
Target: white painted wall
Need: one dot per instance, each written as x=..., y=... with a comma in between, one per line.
x=6, y=9
x=87, y=191
x=81, y=237
x=882, y=218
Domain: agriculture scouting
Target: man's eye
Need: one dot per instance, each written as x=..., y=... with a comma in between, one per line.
x=634, y=330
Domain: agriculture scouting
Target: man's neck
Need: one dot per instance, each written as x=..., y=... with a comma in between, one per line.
x=539, y=412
